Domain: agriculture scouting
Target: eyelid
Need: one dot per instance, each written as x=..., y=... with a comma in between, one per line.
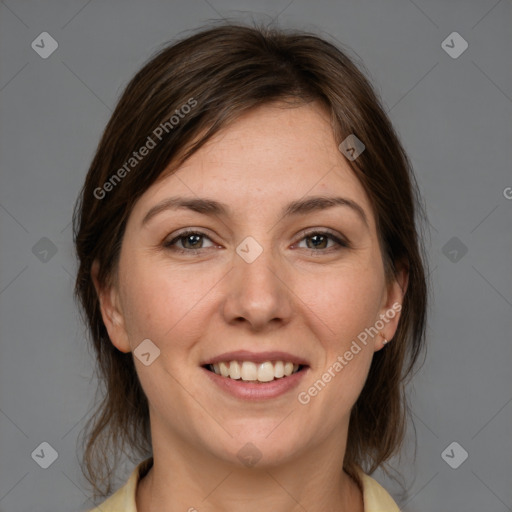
x=170, y=241
x=339, y=240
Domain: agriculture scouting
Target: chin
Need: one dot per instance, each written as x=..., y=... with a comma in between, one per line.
x=256, y=448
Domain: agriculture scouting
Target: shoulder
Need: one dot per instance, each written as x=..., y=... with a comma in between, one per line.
x=123, y=500
x=375, y=497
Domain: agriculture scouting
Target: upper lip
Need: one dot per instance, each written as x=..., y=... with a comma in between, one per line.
x=256, y=357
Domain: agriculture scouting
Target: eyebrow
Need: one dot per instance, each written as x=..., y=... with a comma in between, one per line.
x=212, y=207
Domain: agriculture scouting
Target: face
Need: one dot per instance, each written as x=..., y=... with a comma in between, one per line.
x=230, y=265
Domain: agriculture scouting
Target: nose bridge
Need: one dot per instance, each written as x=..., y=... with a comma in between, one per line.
x=257, y=292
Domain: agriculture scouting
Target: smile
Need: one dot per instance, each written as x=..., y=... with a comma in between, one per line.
x=249, y=375
x=250, y=371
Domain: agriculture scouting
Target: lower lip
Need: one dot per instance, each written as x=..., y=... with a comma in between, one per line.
x=251, y=390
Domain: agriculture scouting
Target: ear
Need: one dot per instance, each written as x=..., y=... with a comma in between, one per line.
x=111, y=311
x=389, y=314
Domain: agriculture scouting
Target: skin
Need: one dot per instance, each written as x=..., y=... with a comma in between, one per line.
x=308, y=300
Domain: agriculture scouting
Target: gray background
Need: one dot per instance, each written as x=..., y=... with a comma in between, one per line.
x=454, y=118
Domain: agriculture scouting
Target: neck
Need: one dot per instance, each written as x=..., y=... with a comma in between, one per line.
x=185, y=478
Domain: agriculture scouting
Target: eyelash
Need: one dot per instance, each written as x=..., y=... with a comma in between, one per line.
x=342, y=244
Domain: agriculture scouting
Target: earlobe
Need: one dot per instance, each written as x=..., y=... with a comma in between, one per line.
x=111, y=311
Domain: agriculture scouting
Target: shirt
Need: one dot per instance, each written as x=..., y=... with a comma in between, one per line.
x=375, y=497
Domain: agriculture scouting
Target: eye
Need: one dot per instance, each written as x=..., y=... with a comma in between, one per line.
x=318, y=241
x=188, y=241
x=192, y=241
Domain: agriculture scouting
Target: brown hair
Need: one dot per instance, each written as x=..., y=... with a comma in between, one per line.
x=223, y=72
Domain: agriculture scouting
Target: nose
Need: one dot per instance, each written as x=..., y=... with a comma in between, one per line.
x=257, y=293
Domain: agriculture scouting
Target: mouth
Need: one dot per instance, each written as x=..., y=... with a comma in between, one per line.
x=249, y=375
x=250, y=371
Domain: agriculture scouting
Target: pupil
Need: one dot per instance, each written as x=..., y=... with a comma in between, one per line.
x=190, y=239
x=317, y=237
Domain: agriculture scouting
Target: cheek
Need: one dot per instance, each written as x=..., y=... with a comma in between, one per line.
x=162, y=303
x=346, y=300
x=346, y=304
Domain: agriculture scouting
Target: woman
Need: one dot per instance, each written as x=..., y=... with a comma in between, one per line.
x=251, y=273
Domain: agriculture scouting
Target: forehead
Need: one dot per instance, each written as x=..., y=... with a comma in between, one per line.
x=268, y=156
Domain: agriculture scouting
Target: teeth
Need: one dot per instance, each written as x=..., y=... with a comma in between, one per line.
x=288, y=369
x=279, y=370
x=266, y=372
x=249, y=371
x=224, y=370
x=234, y=370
